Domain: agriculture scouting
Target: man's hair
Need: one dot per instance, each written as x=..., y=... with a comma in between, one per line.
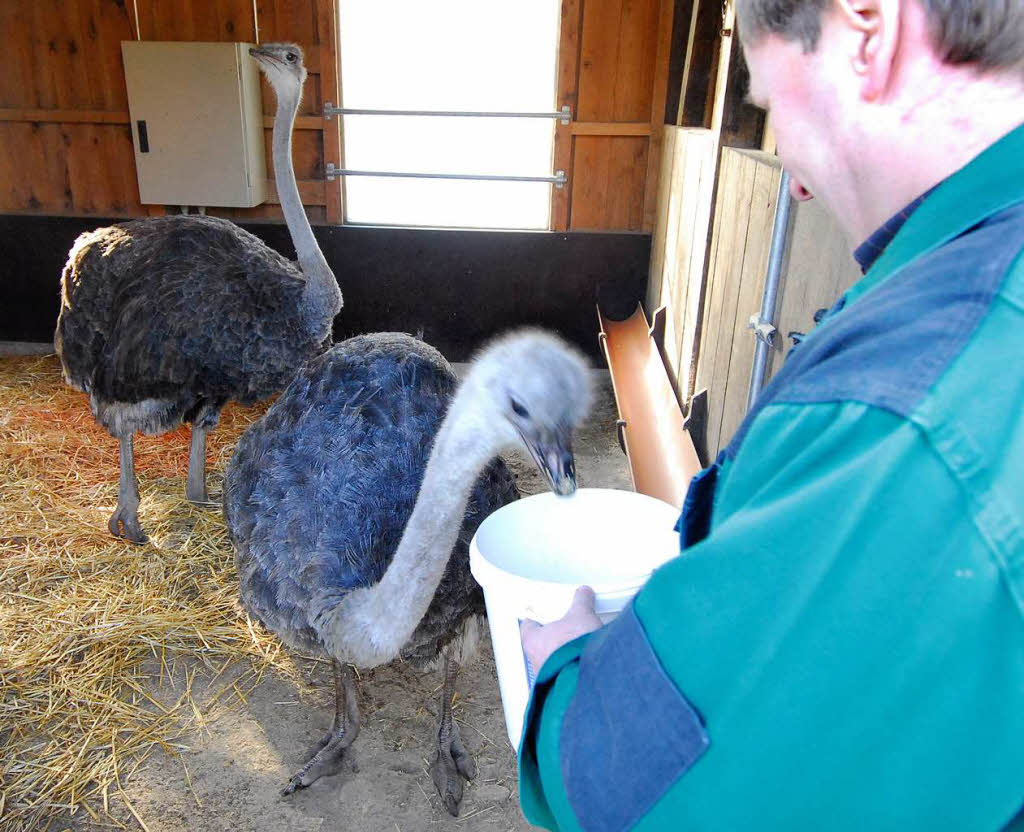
x=989, y=33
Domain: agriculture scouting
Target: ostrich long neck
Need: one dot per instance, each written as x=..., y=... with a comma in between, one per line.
x=380, y=619
x=321, y=296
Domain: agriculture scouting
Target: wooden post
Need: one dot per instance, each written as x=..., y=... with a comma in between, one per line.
x=661, y=67
x=327, y=36
x=688, y=62
x=568, y=84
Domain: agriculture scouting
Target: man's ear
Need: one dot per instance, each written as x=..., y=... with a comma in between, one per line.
x=877, y=23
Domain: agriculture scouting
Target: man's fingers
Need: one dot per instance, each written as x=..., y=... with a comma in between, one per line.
x=583, y=600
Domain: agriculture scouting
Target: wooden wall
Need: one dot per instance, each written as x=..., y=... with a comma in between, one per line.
x=817, y=268
x=741, y=238
x=613, y=74
x=64, y=126
x=680, y=243
x=64, y=113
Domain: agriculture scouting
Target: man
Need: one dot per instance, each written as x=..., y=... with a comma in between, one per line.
x=841, y=643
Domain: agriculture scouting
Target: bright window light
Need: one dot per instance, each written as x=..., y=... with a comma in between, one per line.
x=477, y=55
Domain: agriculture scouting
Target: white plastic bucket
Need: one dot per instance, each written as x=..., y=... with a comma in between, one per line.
x=531, y=555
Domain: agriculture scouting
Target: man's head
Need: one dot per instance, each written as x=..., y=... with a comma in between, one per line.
x=989, y=33
x=874, y=101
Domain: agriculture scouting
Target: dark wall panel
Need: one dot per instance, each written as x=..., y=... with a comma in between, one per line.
x=458, y=288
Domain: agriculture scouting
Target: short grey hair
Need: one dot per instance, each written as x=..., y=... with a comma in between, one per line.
x=989, y=33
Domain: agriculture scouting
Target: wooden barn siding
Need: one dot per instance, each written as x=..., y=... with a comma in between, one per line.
x=680, y=244
x=817, y=268
x=63, y=103
x=613, y=74
x=64, y=106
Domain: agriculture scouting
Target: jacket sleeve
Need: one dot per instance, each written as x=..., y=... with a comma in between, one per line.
x=826, y=652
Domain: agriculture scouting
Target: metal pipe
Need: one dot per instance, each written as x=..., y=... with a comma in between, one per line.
x=564, y=115
x=558, y=180
x=764, y=326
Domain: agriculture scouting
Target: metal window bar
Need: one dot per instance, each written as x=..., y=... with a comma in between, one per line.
x=333, y=172
x=558, y=180
x=564, y=115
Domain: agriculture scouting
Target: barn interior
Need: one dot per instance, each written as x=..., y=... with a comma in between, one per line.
x=136, y=692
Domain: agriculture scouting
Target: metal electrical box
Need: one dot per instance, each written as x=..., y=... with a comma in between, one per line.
x=197, y=123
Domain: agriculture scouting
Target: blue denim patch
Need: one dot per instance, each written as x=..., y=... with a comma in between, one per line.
x=628, y=733
x=695, y=521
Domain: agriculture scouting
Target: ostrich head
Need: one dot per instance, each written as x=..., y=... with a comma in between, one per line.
x=531, y=390
x=283, y=66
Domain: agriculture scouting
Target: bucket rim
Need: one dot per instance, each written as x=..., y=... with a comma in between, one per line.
x=487, y=573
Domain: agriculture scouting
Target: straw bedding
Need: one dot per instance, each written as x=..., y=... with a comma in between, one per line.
x=107, y=650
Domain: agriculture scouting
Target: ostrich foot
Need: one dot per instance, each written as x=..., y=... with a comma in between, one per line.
x=329, y=755
x=330, y=758
x=124, y=522
x=452, y=766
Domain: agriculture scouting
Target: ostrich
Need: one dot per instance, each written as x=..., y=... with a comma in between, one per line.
x=163, y=320
x=351, y=535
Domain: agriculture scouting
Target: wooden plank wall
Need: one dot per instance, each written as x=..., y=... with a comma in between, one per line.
x=741, y=236
x=817, y=268
x=679, y=247
x=613, y=74
x=64, y=107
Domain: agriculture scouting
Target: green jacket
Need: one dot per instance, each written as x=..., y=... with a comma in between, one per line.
x=840, y=644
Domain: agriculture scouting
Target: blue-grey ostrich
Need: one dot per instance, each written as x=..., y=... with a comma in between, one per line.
x=163, y=320
x=351, y=532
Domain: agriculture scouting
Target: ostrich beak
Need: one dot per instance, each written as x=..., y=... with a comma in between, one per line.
x=553, y=455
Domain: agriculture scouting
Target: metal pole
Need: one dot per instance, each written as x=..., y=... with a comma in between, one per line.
x=558, y=180
x=564, y=115
x=764, y=327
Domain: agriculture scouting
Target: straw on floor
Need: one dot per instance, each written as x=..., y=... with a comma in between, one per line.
x=107, y=650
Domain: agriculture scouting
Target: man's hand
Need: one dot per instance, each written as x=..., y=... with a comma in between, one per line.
x=540, y=641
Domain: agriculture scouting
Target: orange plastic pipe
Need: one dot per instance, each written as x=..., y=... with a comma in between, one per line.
x=662, y=458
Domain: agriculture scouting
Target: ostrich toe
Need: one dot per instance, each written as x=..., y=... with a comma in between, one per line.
x=452, y=765
x=124, y=522
x=330, y=758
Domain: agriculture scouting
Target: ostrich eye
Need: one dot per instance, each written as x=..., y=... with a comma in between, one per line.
x=291, y=56
x=519, y=410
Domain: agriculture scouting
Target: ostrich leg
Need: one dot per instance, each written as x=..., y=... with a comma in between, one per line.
x=124, y=522
x=453, y=762
x=195, y=487
x=330, y=753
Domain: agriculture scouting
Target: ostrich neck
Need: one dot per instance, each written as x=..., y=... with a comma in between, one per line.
x=321, y=293
x=394, y=607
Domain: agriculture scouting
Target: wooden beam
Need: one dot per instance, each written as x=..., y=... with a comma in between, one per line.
x=661, y=69
x=688, y=62
x=65, y=116
x=122, y=117
x=610, y=128
x=133, y=19
x=303, y=122
x=568, y=88
x=311, y=192
x=768, y=136
x=722, y=75
x=327, y=35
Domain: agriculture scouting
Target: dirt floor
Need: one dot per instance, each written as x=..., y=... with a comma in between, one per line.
x=229, y=776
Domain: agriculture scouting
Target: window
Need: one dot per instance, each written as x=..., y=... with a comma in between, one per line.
x=475, y=55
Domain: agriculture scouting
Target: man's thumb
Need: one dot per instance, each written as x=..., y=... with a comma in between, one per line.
x=583, y=600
